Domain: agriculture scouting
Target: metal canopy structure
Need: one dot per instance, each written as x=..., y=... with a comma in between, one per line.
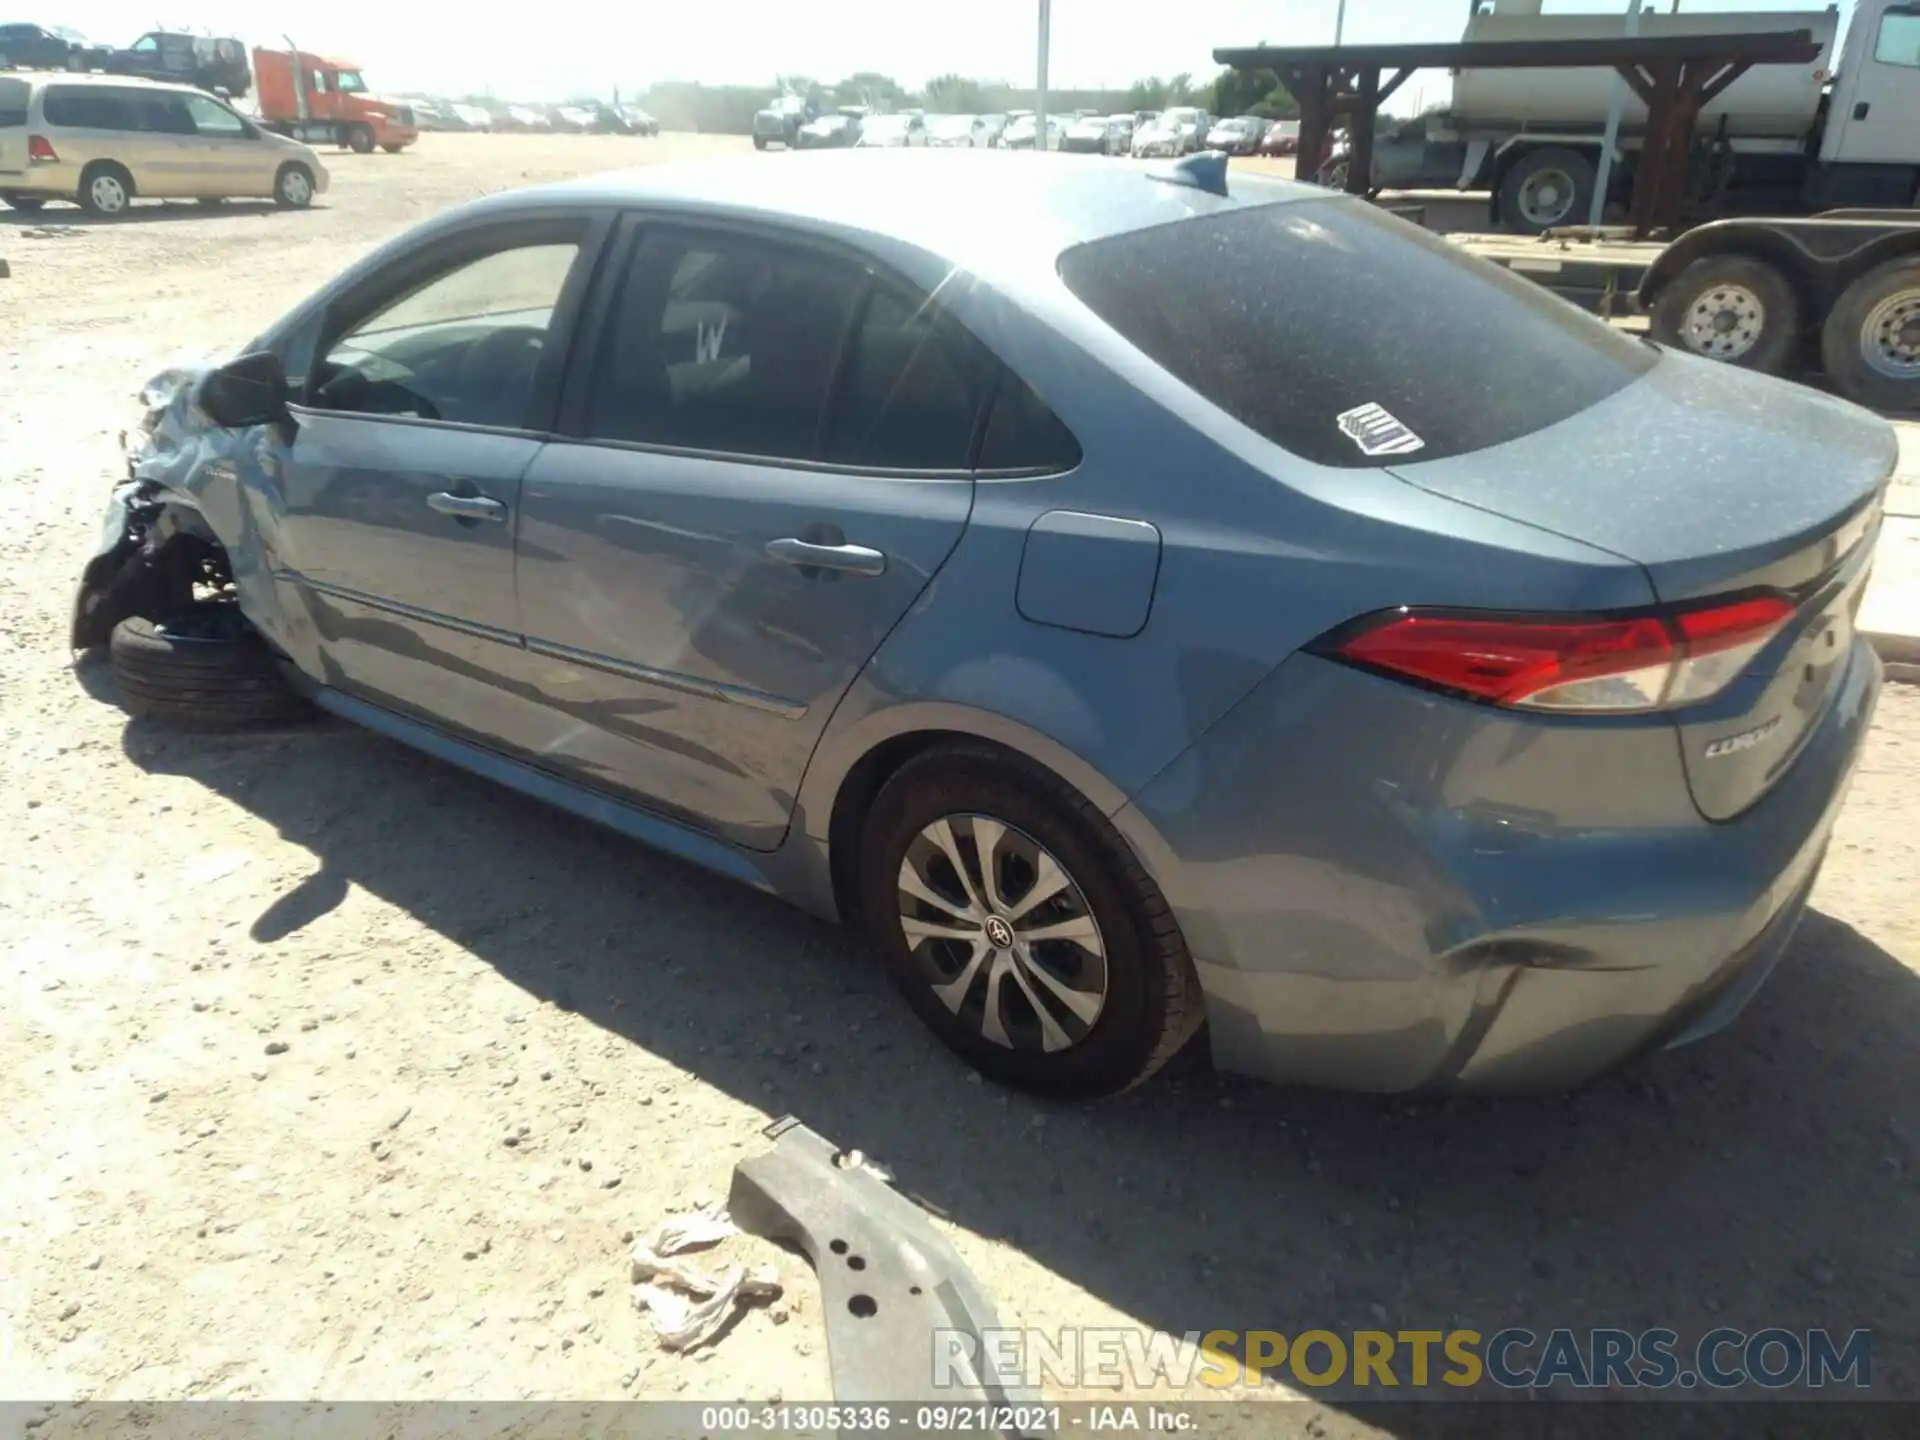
x=1675, y=75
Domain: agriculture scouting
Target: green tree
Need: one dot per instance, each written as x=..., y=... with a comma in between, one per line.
x=805, y=87
x=956, y=95
x=1148, y=94
x=869, y=87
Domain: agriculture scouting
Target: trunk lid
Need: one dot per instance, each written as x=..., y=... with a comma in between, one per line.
x=1717, y=482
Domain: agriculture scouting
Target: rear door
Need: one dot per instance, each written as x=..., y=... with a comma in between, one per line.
x=767, y=457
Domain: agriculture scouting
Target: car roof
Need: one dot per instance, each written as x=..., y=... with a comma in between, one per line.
x=985, y=210
x=136, y=82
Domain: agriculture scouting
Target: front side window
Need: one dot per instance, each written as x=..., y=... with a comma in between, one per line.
x=1899, y=40
x=145, y=45
x=724, y=343
x=1347, y=336
x=464, y=346
x=214, y=120
x=348, y=82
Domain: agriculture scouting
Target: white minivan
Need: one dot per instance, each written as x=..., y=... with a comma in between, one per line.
x=100, y=140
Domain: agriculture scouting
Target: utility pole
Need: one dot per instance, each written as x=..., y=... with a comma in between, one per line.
x=1596, y=212
x=1340, y=22
x=1040, y=77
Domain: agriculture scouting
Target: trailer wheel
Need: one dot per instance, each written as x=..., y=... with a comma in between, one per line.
x=1731, y=308
x=1871, y=342
x=1546, y=188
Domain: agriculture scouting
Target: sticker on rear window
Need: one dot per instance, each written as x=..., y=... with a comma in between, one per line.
x=1376, y=432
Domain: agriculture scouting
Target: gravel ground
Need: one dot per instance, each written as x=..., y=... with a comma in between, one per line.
x=333, y=1072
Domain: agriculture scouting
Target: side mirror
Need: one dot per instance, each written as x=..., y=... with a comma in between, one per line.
x=242, y=393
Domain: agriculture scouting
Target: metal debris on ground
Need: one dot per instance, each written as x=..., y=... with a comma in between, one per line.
x=689, y=1307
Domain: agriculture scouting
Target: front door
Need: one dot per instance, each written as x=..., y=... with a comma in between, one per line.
x=1875, y=116
x=769, y=460
x=220, y=154
x=398, y=497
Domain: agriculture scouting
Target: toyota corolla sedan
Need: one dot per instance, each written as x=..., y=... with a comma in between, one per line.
x=1339, y=641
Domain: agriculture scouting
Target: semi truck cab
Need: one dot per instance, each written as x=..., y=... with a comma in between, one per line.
x=315, y=99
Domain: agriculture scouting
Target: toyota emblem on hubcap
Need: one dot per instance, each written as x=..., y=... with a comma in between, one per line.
x=999, y=933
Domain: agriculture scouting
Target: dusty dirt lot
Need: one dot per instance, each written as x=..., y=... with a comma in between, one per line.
x=448, y=966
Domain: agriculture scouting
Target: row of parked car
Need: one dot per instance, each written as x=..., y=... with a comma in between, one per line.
x=1182, y=130
x=592, y=118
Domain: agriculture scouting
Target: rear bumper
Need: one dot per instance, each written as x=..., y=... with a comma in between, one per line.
x=1385, y=916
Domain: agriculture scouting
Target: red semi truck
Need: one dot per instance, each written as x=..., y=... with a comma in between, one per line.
x=318, y=100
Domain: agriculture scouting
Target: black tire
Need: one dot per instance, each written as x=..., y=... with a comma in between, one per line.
x=1751, y=314
x=1151, y=1004
x=25, y=204
x=203, y=670
x=211, y=202
x=360, y=139
x=393, y=149
x=1879, y=312
x=759, y=142
x=1569, y=175
x=93, y=201
x=293, y=187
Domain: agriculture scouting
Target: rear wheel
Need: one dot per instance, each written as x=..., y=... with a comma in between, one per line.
x=106, y=190
x=1545, y=189
x=25, y=204
x=293, y=187
x=203, y=669
x=1871, y=341
x=1732, y=308
x=1021, y=929
x=759, y=142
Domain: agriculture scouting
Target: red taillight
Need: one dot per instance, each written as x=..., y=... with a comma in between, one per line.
x=1638, y=662
x=40, y=151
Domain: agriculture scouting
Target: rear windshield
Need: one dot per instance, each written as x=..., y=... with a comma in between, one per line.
x=1349, y=336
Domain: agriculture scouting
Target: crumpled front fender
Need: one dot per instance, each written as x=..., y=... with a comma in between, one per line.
x=180, y=504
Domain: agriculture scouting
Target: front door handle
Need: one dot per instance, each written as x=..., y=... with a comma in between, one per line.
x=1860, y=110
x=466, y=507
x=853, y=559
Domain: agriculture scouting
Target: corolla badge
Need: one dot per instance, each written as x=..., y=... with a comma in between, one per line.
x=1745, y=740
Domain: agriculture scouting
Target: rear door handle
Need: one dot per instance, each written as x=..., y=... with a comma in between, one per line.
x=853, y=559
x=466, y=507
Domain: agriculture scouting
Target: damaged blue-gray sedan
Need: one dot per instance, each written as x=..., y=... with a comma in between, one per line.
x=1133, y=596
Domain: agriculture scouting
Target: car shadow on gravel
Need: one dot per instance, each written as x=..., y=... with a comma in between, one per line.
x=1761, y=1178
x=58, y=218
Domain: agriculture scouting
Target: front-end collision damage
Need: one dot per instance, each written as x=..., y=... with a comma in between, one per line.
x=176, y=529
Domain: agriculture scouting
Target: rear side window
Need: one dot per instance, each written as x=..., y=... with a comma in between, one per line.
x=1023, y=434
x=724, y=343
x=13, y=103
x=1348, y=336
x=912, y=392
x=96, y=107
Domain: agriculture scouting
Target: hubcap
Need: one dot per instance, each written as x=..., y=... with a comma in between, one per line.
x=1002, y=933
x=1546, y=197
x=1890, y=340
x=1724, y=323
x=295, y=187
x=108, y=193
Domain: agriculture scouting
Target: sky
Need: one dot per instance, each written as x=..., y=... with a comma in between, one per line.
x=557, y=48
